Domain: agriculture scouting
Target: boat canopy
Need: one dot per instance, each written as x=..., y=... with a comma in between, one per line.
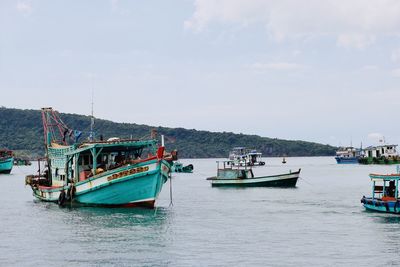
x=114, y=146
x=384, y=177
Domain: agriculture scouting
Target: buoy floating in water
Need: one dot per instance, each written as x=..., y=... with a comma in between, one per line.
x=283, y=160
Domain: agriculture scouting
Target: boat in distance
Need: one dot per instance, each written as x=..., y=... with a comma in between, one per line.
x=97, y=172
x=385, y=193
x=348, y=155
x=6, y=161
x=242, y=156
x=178, y=167
x=230, y=175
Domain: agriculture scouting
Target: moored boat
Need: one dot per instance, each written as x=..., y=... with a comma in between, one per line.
x=242, y=156
x=6, y=161
x=385, y=195
x=178, y=167
x=348, y=155
x=381, y=154
x=107, y=173
x=230, y=175
x=21, y=161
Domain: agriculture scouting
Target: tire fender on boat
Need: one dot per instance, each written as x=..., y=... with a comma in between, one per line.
x=70, y=192
x=61, y=198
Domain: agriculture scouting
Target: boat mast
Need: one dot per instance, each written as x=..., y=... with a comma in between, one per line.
x=91, y=136
x=54, y=129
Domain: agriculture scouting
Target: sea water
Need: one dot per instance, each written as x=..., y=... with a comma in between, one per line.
x=321, y=222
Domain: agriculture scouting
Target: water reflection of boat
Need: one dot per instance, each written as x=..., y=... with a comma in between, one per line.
x=242, y=156
x=230, y=175
x=109, y=173
x=385, y=194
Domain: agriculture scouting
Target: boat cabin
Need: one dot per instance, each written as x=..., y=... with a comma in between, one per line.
x=386, y=151
x=385, y=187
x=348, y=152
x=254, y=157
x=244, y=156
x=228, y=170
x=89, y=159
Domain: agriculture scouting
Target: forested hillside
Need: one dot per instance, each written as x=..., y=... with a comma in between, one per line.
x=21, y=130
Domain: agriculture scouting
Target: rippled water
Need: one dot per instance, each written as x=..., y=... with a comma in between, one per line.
x=321, y=223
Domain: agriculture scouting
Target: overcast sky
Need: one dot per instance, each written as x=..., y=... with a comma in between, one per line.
x=325, y=71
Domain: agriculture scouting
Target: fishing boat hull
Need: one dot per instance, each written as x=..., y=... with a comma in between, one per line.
x=129, y=186
x=381, y=205
x=281, y=180
x=6, y=165
x=349, y=160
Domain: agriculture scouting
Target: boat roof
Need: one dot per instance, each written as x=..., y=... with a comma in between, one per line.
x=384, y=177
x=379, y=146
x=115, y=145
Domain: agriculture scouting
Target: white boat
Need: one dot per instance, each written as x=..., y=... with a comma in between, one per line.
x=242, y=156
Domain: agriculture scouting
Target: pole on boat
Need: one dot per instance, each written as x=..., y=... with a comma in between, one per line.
x=162, y=140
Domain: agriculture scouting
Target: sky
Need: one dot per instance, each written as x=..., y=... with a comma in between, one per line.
x=322, y=71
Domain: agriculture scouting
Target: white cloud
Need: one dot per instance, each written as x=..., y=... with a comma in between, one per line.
x=354, y=23
x=395, y=57
x=396, y=72
x=277, y=66
x=24, y=7
x=369, y=67
x=355, y=40
x=117, y=8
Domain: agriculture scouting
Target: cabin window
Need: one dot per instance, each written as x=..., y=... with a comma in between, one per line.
x=62, y=177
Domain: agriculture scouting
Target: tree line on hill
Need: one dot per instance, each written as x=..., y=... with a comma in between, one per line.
x=21, y=131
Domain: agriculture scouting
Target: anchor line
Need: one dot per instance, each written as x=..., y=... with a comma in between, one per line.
x=170, y=190
x=305, y=180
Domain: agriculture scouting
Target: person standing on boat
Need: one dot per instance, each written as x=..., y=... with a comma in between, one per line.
x=390, y=191
x=119, y=159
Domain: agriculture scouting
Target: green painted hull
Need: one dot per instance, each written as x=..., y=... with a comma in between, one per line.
x=6, y=165
x=380, y=161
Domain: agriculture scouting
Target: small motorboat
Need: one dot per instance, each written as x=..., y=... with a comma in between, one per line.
x=230, y=175
x=385, y=197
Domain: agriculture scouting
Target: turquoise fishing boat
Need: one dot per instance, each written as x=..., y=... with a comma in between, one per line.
x=178, y=167
x=385, y=193
x=6, y=161
x=115, y=172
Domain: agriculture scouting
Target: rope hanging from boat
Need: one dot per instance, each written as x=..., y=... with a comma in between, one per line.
x=170, y=190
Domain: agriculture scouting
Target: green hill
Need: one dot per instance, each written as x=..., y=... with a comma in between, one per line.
x=21, y=130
